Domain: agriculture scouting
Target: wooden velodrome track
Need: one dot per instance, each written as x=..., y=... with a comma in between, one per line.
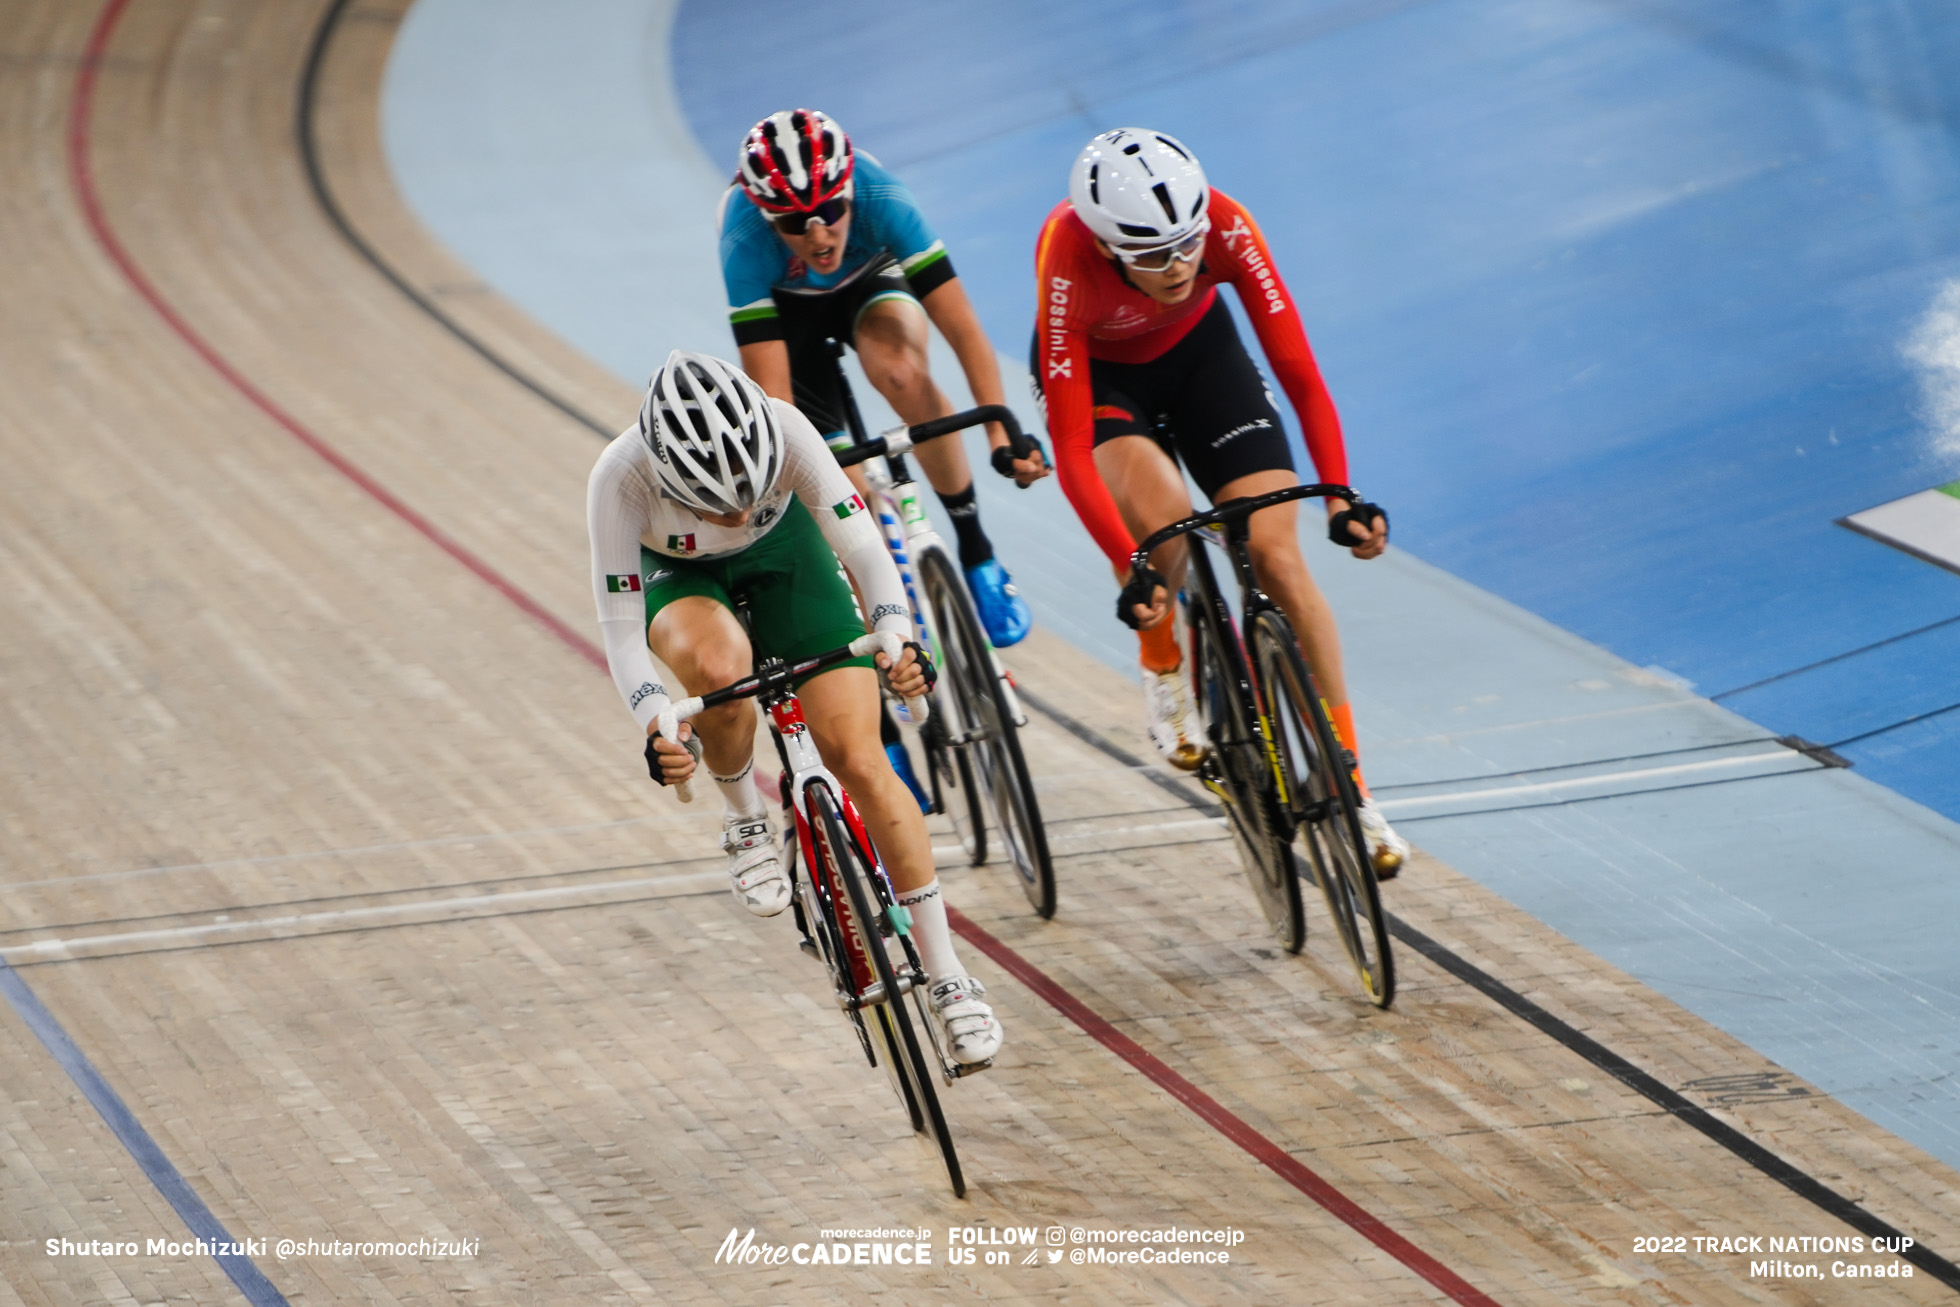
x=326, y=846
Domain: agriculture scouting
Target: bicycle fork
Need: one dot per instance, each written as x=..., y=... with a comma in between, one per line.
x=802, y=763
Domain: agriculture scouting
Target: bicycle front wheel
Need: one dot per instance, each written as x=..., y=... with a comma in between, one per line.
x=1322, y=801
x=1245, y=780
x=853, y=868
x=967, y=674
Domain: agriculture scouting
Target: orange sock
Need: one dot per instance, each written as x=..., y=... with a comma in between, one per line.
x=1159, y=648
x=1342, y=715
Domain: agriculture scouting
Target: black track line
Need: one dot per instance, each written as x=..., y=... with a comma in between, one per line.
x=1796, y=1180
x=309, y=153
x=1834, y=658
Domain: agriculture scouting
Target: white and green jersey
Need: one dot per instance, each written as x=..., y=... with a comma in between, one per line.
x=626, y=509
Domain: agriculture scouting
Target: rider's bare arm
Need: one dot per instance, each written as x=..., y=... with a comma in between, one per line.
x=952, y=312
x=767, y=363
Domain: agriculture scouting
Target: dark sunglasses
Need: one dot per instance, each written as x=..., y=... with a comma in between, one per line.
x=829, y=213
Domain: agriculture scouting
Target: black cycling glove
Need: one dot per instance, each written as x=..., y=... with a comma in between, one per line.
x=1140, y=589
x=692, y=744
x=925, y=663
x=1004, y=457
x=1361, y=513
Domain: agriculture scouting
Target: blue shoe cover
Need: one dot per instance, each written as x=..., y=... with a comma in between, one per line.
x=1002, y=610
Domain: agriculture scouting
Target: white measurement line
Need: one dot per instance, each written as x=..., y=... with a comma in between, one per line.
x=1582, y=782
x=1057, y=837
x=441, y=841
x=43, y=950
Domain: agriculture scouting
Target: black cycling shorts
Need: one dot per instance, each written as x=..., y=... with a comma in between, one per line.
x=809, y=317
x=1202, y=400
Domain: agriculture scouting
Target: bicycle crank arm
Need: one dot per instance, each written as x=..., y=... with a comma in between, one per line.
x=873, y=995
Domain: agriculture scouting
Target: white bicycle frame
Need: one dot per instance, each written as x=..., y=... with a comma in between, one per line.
x=907, y=530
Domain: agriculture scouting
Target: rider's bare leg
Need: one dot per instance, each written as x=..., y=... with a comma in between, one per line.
x=841, y=706
x=703, y=645
x=892, y=341
x=1150, y=493
x=1274, y=547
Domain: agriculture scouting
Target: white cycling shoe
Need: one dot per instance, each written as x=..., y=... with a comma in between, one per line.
x=1387, y=850
x=973, y=1033
x=755, y=871
x=1172, y=724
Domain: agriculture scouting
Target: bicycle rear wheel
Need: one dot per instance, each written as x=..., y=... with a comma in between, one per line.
x=967, y=675
x=1323, y=803
x=1246, y=781
x=854, y=870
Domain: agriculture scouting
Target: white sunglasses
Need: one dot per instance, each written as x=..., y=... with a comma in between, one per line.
x=1159, y=258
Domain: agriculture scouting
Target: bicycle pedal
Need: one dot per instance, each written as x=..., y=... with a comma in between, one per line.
x=809, y=946
x=955, y=1070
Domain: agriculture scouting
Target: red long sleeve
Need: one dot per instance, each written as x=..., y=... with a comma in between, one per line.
x=1088, y=310
x=1276, y=320
x=1062, y=355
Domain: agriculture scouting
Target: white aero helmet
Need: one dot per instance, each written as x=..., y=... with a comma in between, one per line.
x=1136, y=187
x=712, y=437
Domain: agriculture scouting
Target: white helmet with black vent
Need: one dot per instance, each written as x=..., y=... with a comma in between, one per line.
x=1139, y=188
x=712, y=436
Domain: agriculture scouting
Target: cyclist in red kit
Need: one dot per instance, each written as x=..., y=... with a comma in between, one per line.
x=1141, y=368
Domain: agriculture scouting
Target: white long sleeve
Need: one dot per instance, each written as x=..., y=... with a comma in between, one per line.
x=625, y=510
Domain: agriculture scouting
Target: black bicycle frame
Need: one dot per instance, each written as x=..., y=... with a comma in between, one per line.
x=1235, y=517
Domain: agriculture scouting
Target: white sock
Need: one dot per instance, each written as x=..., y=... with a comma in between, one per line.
x=739, y=794
x=930, y=932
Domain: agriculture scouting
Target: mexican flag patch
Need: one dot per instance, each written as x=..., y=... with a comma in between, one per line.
x=622, y=584
x=848, y=507
x=680, y=544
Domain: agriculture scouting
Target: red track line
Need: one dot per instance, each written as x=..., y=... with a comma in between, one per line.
x=1218, y=1117
x=78, y=159
x=1207, y=1108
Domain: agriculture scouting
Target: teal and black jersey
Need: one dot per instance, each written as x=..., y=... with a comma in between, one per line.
x=884, y=220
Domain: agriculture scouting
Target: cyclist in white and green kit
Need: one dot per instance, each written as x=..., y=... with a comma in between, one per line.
x=722, y=492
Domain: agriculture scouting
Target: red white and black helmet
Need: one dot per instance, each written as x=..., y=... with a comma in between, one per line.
x=795, y=160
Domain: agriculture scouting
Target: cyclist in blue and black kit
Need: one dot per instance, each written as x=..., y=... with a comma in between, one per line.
x=819, y=241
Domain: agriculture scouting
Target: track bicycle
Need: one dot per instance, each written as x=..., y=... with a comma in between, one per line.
x=972, y=740
x=1274, y=760
x=844, y=903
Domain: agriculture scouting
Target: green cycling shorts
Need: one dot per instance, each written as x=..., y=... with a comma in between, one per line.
x=799, y=603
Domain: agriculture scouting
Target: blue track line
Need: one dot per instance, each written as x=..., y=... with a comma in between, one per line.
x=170, y=1182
